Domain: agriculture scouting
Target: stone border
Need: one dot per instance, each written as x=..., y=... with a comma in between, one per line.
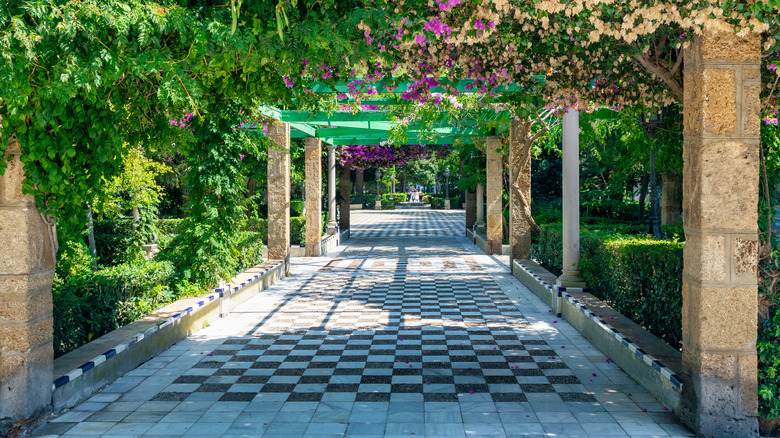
x=482, y=243
x=79, y=384
x=328, y=243
x=657, y=378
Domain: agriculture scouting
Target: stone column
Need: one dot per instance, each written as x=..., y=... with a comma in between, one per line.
x=26, y=274
x=345, y=188
x=359, y=185
x=313, y=197
x=519, y=197
x=480, y=206
x=471, y=208
x=495, y=171
x=332, y=189
x=279, y=191
x=720, y=203
x=571, y=201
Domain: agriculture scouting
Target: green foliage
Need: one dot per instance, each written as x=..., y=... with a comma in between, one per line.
x=388, y=204
x=768, y=347
x=426, y=199
x=638, y=276
x=397, y=197
x=134, y=187
x=297, y=230
x=116, y=241
x=437, y=203
x=89, y=305
x=73, y=260
x=296, y=208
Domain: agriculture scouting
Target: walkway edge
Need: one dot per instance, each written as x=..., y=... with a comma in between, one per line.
x=658, y=379
x=139, y=341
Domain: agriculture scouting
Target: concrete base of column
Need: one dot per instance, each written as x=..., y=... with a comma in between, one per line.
x=446, y=204
x=378, y=205
x=570, y=279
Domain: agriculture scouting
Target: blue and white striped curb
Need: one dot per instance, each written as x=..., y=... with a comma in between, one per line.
x=659, y=367
x=217, y=293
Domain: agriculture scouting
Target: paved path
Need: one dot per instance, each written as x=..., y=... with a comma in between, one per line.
x=407, y=223
x=394, y=337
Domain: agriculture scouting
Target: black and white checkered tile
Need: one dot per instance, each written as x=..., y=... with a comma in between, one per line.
x=374, y=328
x=406, y=223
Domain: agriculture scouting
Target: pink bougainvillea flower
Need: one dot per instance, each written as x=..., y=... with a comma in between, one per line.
x=419, y=39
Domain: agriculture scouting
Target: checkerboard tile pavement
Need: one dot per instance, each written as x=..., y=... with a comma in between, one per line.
x=445, y=345
x=422, y=222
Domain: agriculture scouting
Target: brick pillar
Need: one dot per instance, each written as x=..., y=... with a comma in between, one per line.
x=313, y=197
x=345, y=188
x=471, y=208
x=495, y=172
x=26, y=274
x=519, y=164
x=279, y=192
x=720, y=203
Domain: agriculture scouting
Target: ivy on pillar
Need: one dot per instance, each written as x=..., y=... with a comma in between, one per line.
x=313, y=197
x=480, y=220
x=26, y=273
x=279, y=191
x=495, y=187
x=571, y=201
x=519, y=190
x=345, y=188
x=720, y=204
x=332, y=225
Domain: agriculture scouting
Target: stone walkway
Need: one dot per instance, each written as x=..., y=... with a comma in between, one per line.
x=394, y=337
x=406, y=223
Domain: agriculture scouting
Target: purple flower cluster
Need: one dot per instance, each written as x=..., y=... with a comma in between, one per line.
x=384, y=156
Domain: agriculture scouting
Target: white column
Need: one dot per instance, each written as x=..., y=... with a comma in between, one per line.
x=571, y=201
x=332, y=189
x=480, y=206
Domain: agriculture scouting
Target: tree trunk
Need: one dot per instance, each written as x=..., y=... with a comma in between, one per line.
x=91, y=239
x=250, y=192
x=671, y=199
x=643, y=183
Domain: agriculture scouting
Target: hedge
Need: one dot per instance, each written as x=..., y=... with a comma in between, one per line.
x=296, y=208
x=438, y=203
x=114, y=238
x=92, y=304
x=397, y=197
x=388, y=204
x=639, y=276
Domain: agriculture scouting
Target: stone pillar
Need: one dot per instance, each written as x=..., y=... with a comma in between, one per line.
x=471, y=208
x=519, y=197
x=26, y=274
x=720, y=203
x=279, y=192
x=571, y=201
x=480, y=206
x=359, y=185
x=332, y=189
x=495, y=172
x=345, y=188
x=313, y=197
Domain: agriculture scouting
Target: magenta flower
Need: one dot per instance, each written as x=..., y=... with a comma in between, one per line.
x=419, y=39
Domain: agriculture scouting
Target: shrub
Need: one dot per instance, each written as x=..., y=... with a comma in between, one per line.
x=250, y=250
x=90, y=305
x=296, y=208
x=169, y=226
x=427, y=199
x=437, y=203
x=115, y=241
x=455, y=202
x=297, y=230
x=369, y=199
x=73, y=259
x=397, y=197
x=388, y=204
x=638, y=276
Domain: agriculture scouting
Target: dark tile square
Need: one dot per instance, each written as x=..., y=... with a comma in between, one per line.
x=541, y=352
x=252, y=379
x=208, y=364
x=213, y=387
x=238, y=396
x=266, y=365
x=379, y=365
x=439, y=397
x=191, y=379
x=244, y=358
x=171, y=396
x=347, y=372
x=383, y=380
x=501, y=379
x=223, y=352
x=406, y=388
x=298, y=358
x=570, y=380
x=576, y=397
x=342, y=387
x=353, y=358
x=236, y=341
x=229, y=372
x=407, y=372
x=527, y=372
x=551, y=365
x=508, y=397
x=536, y=388
x=289, y=371
x=321, y=365
x=278, y=387
x=534, y=342
x=305, y=396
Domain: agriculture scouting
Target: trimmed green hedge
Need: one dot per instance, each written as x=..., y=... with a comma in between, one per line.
x=397, y=197
x=438, y=203
x=388, y=204
x=638, y=276
x=296, y=208
x=90, y=305
x=297, y=229
x=115, y=238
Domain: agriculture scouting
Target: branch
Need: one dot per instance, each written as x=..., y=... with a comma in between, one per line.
x=662, y=74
